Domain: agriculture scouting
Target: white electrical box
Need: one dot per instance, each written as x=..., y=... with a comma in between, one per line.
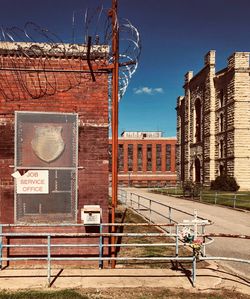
x=91, y=214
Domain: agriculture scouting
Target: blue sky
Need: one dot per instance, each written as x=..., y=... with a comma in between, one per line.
x=175, y=37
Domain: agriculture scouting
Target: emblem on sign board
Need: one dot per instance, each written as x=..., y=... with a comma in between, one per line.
x=48, y=143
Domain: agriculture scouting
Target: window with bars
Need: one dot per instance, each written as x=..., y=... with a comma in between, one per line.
x=168, y=157
x=139, y=157
x=221, y=97
x=130, y=157
x=158, y=157
x=221, y=123
x=149, y=157
x=120, y=157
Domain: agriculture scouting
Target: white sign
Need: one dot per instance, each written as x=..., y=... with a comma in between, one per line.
x=33, y=182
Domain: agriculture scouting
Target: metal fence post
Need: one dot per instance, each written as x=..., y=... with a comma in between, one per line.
x=234, y=200
x=170, y=218
x=176, y=244
x=204, y=240
x=1, y=246
x=49, y=264
x=194, y=269
x=150, y=210
x=215, y=198
x=100, y=248
x=169, y=214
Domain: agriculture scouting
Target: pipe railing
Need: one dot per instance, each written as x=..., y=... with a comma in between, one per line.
x=49, y=256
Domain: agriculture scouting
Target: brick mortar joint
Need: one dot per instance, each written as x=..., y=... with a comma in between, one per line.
x=95, y=125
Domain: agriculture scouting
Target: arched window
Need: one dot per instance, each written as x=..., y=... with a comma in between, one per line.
x=198, y=120
x=221, y=122
x=221, y=149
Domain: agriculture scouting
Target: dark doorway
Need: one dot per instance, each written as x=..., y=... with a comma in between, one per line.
x=221, y=170
x=197, y=170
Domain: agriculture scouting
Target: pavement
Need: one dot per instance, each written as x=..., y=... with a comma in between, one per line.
x=213, y=277
x=225, y=220
x=208, y=279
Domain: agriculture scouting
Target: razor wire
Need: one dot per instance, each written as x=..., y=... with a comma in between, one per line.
x=27, y=55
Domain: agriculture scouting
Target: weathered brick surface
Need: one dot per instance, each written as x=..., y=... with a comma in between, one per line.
x=145, y=177
x=80, y=95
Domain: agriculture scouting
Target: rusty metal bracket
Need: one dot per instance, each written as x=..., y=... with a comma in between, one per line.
x=88, y=59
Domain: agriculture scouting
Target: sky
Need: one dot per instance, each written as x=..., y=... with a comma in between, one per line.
x=175, y=36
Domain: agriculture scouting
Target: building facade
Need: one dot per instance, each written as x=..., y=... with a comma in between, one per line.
x=213, y=121
x=145, y=159
x=53, y=134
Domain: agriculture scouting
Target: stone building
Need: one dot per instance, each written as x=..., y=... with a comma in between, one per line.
x=213, y=122
x=145, y=159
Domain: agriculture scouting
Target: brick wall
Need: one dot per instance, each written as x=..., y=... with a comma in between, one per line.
x=87, y=98
x=144, y=177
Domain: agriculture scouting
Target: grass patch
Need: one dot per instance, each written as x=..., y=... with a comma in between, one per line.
x=129, y=216
x=240, y=199
x=123, y=293
x=168, y=191
x=63, y=294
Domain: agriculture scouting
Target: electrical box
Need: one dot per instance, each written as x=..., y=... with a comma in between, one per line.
x=91, y=214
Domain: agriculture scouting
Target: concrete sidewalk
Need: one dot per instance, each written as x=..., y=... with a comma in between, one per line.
x=207, y=279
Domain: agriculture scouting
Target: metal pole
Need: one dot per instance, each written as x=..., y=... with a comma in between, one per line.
x=100, y=249
x=194, y=269
x=115, y=83
x=169, y=214
x=177, y=245
x=204, y=240
x=170, y=218
x=195, y=224
x=49, y=265
x=1, y=246
x=234, y=200
x=150, y=210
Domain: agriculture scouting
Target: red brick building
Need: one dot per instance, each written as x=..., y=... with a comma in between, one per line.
x=145, y=159
x=48, y=92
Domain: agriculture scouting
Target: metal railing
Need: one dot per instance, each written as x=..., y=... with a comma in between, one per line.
x=142, y=203
x=134, y=201
x=230, y=199
x=171, y=230
x=234, y=200
x=50, y=257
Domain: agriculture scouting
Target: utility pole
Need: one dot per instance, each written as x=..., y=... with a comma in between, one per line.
x=115, y=90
